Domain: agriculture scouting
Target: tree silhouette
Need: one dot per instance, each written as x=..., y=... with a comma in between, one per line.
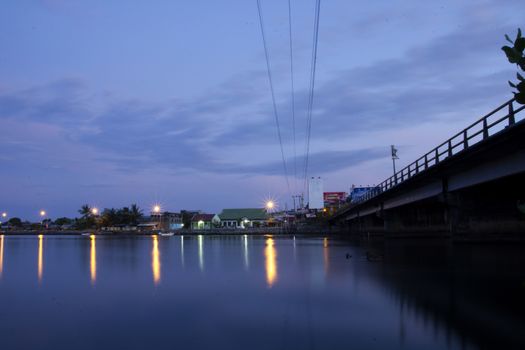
x=515, y=56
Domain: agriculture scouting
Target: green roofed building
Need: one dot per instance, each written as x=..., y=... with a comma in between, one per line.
x=242, y=218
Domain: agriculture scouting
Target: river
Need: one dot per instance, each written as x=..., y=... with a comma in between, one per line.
x=258, y=292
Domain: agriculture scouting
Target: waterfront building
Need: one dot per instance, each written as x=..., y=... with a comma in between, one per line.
x=167, y=220
x=205, y=221
x=243, y=218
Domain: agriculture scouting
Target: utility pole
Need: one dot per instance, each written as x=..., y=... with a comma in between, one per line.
x=299, y=203
x=394, y=157
x=393, y=150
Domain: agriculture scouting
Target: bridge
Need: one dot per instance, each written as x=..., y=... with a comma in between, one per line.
x=471, y=184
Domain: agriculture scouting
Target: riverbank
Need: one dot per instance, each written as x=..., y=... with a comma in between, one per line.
x=215, y=231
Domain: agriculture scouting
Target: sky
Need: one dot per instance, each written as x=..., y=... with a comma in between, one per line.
x=109, y=103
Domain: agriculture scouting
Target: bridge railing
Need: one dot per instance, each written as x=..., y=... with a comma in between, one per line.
x=499, y=119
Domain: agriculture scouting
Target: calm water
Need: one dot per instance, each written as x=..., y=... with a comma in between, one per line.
x=257, y=292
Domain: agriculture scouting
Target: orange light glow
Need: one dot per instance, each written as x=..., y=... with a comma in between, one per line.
x=40, y=257
x=93, y=260
x=155, y=261
x=271, y=262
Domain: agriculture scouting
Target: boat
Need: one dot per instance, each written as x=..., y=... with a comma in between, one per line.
x=166, y=234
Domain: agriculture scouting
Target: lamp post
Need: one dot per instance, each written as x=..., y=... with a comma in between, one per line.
x=156, y=210
x=43, y=215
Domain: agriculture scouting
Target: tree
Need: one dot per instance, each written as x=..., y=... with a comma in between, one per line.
x=16, y=222
x=515, y=56
x=109, y=217
x=85, y=211
x=135, y=214
x=63, y=221
x=88, y=218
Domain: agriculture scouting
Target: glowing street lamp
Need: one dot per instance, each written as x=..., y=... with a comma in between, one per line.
x=270, y=205
x=156, y=210
x=4, y=215
x=43, y=215
x=94, y=211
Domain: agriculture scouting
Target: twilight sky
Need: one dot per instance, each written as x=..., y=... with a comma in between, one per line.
x=117, y=102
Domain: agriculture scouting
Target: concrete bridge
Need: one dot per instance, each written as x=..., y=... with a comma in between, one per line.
x=471, y=184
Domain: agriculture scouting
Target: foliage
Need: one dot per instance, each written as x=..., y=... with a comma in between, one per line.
x=63, y=221
x=515, y=56
x=87, y=220
x=124, y=216
x=16, y=222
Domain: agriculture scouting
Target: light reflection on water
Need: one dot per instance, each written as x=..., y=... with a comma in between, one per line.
x=245, y=252
x=201, y=253
x=1, y=255
x=93, y=259
x=306, y=290
x=270, y=254
x=40, y=257
x=155, y=260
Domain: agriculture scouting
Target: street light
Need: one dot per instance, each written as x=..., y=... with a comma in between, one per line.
x=42, y=215
x=270, y=205
x=94, y=211
x=4, y=214
x=156, y=210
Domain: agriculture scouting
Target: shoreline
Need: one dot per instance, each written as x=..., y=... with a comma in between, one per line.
x=239, y=232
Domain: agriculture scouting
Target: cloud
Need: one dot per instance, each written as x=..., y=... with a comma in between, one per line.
x=449, y=77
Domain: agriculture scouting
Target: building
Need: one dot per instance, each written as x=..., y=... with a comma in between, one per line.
x=315, y=193
x=205, y=221
x=334, y=199
x=167, y=221
x=243, y=218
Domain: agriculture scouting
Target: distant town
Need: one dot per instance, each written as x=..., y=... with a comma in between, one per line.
x=133, y=219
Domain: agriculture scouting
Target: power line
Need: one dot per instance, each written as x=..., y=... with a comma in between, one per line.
x=312, y=89
x=261, y=22
x=293, y=92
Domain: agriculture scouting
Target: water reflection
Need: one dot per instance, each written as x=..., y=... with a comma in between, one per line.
x=245, y=246
x=421, y=296
x=271, y=262
x=1, y=255
x=40, y=257
x=155, y=260
x=326, y=256
x=201, y=253
x=182, y=249
x=93, y=260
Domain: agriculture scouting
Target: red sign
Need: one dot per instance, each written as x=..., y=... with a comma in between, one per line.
x=333, y=198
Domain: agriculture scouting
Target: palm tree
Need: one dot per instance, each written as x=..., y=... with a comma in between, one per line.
x=109, y=217
x=135, y=214
x=85, y=211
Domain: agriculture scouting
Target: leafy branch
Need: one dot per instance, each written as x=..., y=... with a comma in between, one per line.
x=515, y=56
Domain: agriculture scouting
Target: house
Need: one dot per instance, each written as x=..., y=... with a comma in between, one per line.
x=167, y=220
x=205, y=221
x=242, y=218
